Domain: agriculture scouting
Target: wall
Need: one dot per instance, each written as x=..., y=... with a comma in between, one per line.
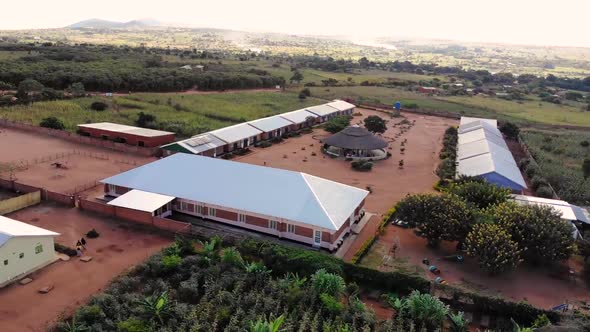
x=59, y=198
x=18, y=267
x=98, y=207
x=149, y=142
x=134, y=215
x=19, y=202
x=172, y=225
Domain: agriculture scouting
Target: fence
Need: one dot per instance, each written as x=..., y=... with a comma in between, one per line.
x=19, y=202
x=59, y=198
x=97, y=207
x=143, y=151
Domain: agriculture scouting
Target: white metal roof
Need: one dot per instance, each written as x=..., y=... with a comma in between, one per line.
x=236, y=133
x=479, y=124
x=119, y=128
x=341, y=105
x=567, y=210
x=486, y=164
x=481, y=134
x=141, y=200
x=271, y=123
x=201, y=143
x=267, y=191
x=299, y=116
x=467, y=119
x=476, y=148
x=322, y=110
x=10, y=228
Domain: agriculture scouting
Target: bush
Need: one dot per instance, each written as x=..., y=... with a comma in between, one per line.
x=531, y=169
x=361, y=165
x=324, y=282
x=331, y=303
x=363, y=250
x=64, y=250
x=337, y=123
x=98, y=106
x=510, y=130
x=263, y=144
x=480, y=194
x=53, y=123
x=171, y=262
x=93, y=234
x=584, y=144
x=375, y=124
x=544, y=191
x=133, y=324
x=538, y=181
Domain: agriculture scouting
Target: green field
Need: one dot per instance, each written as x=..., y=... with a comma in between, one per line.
x=185, y=114
x=520, y=112
x=560, y=154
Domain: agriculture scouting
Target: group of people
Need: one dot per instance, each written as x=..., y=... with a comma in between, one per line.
x=80, y=245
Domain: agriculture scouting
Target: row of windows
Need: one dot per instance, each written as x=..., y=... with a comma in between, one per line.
x=38, y=250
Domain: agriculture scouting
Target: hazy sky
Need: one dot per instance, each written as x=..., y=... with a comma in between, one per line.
x=544, y=22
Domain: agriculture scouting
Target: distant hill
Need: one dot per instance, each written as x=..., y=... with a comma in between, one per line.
x=96, y=23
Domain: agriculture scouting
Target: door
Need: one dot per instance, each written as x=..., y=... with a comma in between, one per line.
x=317, y=238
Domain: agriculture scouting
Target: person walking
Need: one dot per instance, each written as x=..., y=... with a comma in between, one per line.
x=83, y=242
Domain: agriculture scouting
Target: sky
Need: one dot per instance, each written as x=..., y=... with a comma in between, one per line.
x=538, y=22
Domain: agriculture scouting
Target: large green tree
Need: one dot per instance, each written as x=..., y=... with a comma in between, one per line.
x=375, y=124
x=337, y=123
x=493, y=247
x=438, y=217
x=481, y=194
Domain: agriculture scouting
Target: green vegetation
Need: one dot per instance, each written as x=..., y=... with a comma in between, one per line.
x=185, y=114
x=448, y=155
x=494, y=248
x=560, y=155
x=375, y=124
x=337, y=123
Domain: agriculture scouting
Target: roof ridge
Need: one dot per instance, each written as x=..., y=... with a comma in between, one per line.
x=304, y=176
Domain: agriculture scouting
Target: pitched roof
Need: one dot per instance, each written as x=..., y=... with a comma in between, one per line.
x=322, y=110
x=124, y=129
x=489, y=163
x=200, y=143
x=141, y=200
x=10, y=228
x=479, y=124
x=236, y=133
x=271, y=192
x=482, y=134
x=341, y=105
x=271, y=123
x=298, y=116
x=467, y=119
x=476, y=148
x=355, y=137
x=568, y=211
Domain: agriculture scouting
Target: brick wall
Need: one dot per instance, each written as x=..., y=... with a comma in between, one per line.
x=336, y=235
x=134, y=215
x=256, y=221
x=226, y=215
x=172, y=225
x=96, y=207
x=59, y=198
x=304, y=231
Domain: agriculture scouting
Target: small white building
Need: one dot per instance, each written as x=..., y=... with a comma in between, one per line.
x=24, y=248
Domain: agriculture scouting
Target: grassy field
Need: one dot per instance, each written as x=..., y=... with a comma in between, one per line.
x=520, y=112
x=185, y=114
x=560, y=155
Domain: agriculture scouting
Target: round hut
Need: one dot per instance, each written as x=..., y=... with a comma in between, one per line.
x=355, y=143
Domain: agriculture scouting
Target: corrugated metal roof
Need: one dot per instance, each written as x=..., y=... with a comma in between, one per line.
x=476, y=148
x=487, y=163
x=467, y=119
x=567, y=210
x=341, y=105
x=271, y=123
x=201, y=143
x=322, y=110
x=262, y=190
x=10, y=228
x=124, y=129
x=482, y=134
x=141, y=200
x=236, y=133
x=299, y=116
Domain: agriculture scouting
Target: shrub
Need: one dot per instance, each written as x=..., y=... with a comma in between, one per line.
x=426, y=311
x=523, y=163
x=363, y=250
x=133, y=324
x=510, y=130
x=538, y=181
x=375, y=124
x=92, y=234
x=64, y=250
x=361, y=165
x=480, y=194
x=531, y=169
x=544, y=191
x=52, y=123
x=171, y=262
x=325, y=282
x=331, y=303
x=584, y=143
x=337, y=123
x=98, y=106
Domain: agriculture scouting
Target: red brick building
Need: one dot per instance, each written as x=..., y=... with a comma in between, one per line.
x=127, y=134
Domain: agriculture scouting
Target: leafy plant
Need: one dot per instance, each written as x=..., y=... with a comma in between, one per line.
x=337, y=123
x=156, y=308
x=327, y=283
x=266, y=325
x=426, y=310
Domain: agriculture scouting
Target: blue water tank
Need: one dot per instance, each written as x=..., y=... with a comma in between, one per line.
x=397, y=105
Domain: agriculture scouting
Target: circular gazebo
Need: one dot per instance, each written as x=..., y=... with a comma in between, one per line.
x=355, y=143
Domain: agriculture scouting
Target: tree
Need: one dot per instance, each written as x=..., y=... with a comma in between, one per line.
x=510, y=130
x=586, y=168
x=306, y=92
x=375, y=124
x=539, y=231
x=98, y=106
x=53, y=123
x=297, y=77
x=337, y=123
x=480, y=193
x=574, y=96
x=156, y=308
x=438, y=217
x=493, y=247
x=427, y=311
x=29, y=87
x=145, y=120
x=309, y=121
x=77, y=89
x=301, y=96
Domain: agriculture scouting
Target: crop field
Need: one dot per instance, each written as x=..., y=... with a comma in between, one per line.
x=185, y=114
x=520, y=112
x=560, y=155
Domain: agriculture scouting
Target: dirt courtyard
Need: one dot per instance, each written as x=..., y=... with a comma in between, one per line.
x=118, y=248
x=387, y=181
x=82, y=164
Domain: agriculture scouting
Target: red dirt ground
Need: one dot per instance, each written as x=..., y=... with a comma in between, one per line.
x=388, y=182
x=118, y=248
x=82, y=169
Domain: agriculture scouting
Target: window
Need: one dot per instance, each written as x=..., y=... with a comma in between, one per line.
x=21, y=255
x=273, y=224
x=183, y=206
x=241, y=217
x=191, y=207
x=290, y=228
x=39, y=249
x=6, y=262
x=112, y=188
x=317, y=237
x=212, y=212
x=199, y=209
